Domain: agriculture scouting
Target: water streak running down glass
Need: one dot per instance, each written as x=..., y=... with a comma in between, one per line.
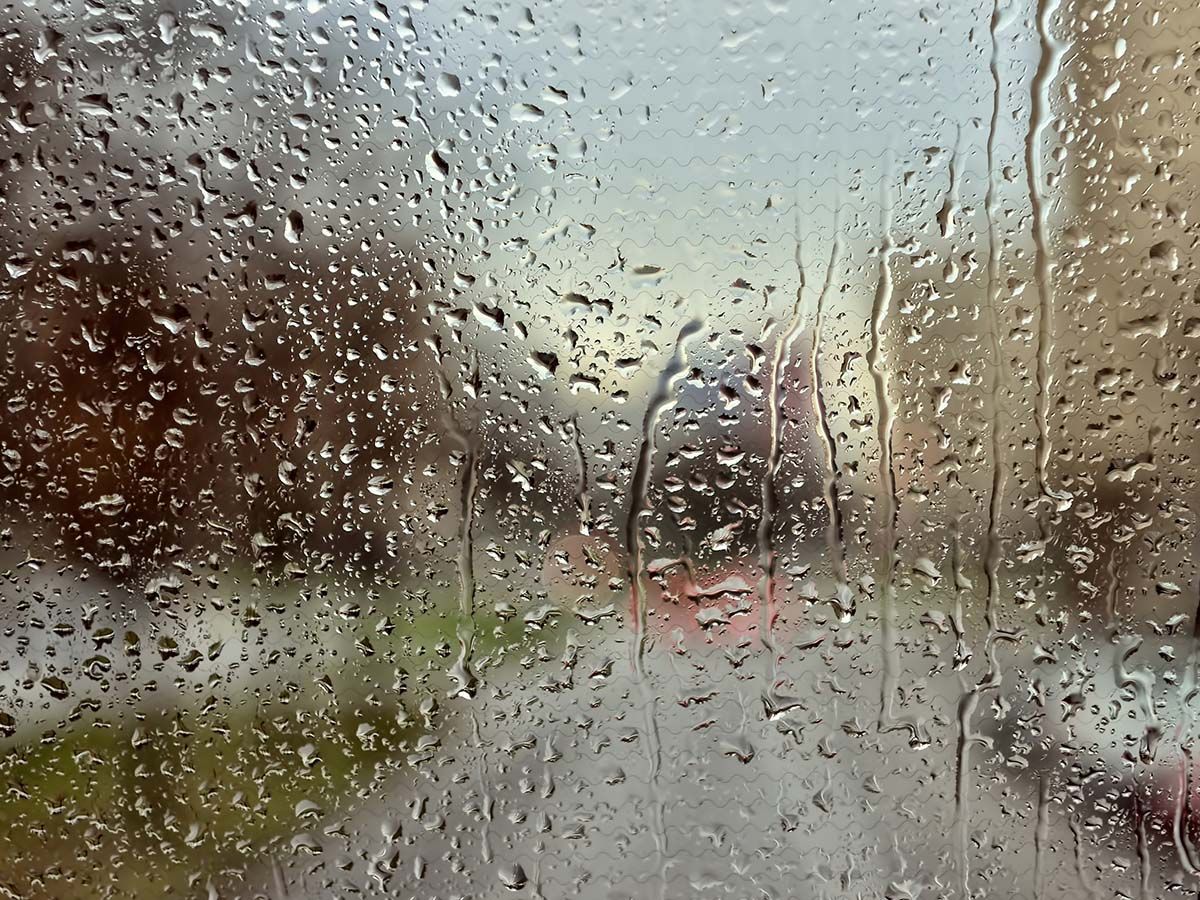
x=600, y=450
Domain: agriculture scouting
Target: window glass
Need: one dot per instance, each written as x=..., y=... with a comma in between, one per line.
x=604, y=450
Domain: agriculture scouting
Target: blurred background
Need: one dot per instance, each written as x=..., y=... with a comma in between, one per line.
x=613, y=449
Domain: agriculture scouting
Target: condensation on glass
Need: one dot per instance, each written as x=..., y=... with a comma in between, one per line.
x=621, y=449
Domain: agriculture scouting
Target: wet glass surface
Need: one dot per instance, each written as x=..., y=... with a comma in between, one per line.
x=632, y=450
